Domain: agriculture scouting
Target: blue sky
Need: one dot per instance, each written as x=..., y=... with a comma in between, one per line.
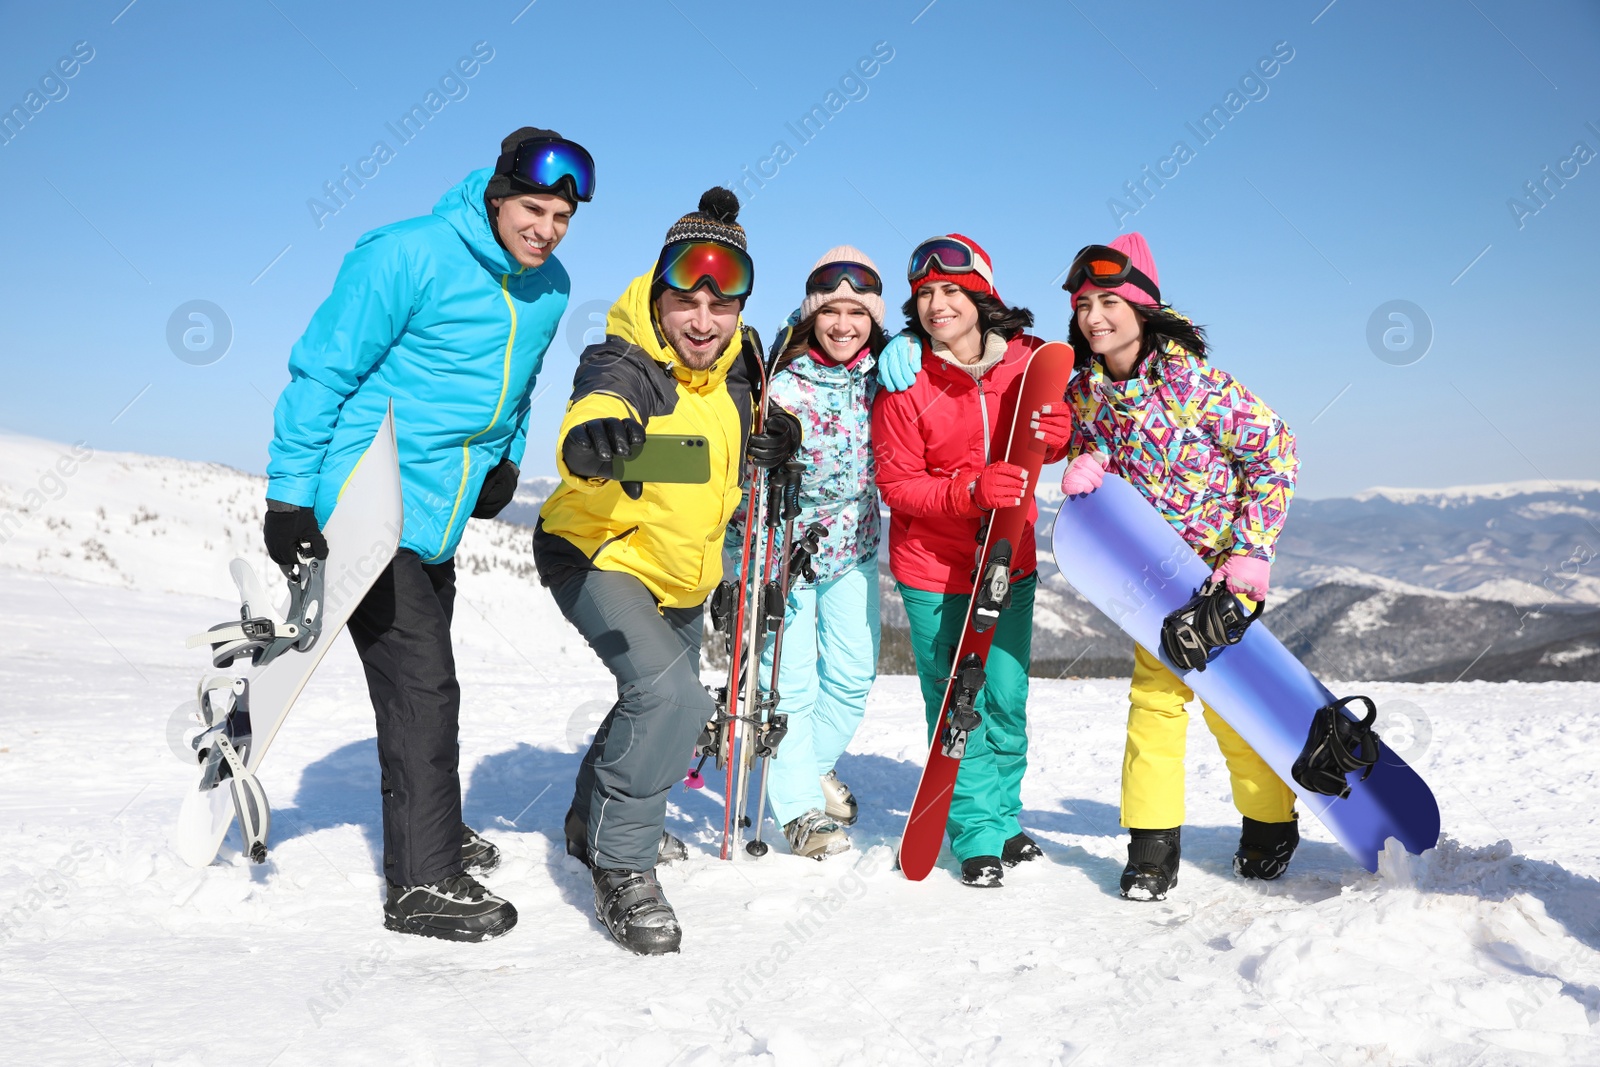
x=1375, y=165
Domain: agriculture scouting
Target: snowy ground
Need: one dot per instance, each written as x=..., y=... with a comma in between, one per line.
x=112, y=951
x=1483, y=952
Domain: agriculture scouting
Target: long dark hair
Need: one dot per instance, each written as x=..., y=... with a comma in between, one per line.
x=804, y=337
x=992, y=316
x=1158, y=325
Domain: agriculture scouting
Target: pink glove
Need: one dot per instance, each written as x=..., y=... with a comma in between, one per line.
x=1084, y=474
x=1246, y=575
x=1000, y=485
x=1052, y=424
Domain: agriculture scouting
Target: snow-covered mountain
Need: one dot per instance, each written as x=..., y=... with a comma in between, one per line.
x=1495, y=582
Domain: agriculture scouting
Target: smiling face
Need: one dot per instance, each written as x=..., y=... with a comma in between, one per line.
x=1112, y=328
x=841, y=330
x=530, y=225
x=697, y=325
x=950, y=317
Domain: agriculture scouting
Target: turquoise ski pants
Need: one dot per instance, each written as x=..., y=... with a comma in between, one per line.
x=830, y=659
x=988, y=793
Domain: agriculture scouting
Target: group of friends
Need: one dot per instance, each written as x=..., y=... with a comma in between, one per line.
x=450, y=315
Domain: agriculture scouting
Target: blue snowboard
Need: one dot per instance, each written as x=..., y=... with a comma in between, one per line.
x=1126, y=560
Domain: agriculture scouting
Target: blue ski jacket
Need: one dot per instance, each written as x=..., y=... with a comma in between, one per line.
x=434, y=314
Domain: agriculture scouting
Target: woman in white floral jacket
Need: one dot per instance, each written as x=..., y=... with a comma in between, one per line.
x=826, y=375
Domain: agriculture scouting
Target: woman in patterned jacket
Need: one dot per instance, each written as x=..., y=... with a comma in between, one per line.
x=1220, y=466
x=826, y=375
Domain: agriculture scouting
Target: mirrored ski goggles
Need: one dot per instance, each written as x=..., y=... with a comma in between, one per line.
x=950, y=256
x=554, y=165
x=859, y=276
x=687, y=265
x=1106, y=268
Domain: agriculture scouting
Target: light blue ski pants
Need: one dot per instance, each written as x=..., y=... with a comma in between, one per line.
x=830, y=659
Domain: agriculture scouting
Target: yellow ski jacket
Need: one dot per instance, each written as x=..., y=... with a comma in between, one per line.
x=671, y=537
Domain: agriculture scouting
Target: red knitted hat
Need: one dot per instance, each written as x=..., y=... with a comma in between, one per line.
x=972, y=281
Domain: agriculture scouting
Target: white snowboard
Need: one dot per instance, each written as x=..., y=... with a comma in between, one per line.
x=362, y=533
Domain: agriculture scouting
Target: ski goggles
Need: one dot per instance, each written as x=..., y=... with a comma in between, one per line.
x=687, y=265
x=951, y=256
x=860, y=277
x=549, y=164
x=1105, y=267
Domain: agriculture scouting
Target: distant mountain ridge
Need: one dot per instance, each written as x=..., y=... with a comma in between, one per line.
x=1497, y=582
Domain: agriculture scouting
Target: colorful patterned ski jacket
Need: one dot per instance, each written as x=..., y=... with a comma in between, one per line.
x=435, y=315
x=1216, y=461
x=834, y=405
x=931, y=441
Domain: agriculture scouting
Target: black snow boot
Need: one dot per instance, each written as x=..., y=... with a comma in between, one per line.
x=457, y=908
x=1152, y=864
x=982, y=872
x=1265, y=848
x=1020, y=849
x=670, y=850
x=478, y=856
x=632, y=906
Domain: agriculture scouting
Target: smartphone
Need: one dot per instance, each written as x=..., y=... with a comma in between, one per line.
x=683, y=459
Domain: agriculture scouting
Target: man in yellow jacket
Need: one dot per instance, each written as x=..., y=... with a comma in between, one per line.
x=630, y=564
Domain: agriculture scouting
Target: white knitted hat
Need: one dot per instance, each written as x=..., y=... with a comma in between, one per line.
x=873, y=302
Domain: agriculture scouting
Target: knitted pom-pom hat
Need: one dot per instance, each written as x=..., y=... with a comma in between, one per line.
x=715, y=220
x=873, y=302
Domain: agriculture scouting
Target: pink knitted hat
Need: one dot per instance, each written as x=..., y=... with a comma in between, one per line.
x=1133, y=246
x=873, y=302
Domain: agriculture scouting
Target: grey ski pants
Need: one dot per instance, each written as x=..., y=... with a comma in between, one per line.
x=646, y=741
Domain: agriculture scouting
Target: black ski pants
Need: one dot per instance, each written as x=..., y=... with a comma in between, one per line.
x=402, y=633
x=646, y=741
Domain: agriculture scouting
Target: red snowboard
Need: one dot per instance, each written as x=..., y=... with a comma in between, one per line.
x=1043, y=381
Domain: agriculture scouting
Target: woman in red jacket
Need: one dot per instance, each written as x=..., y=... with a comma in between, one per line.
x=934, y=444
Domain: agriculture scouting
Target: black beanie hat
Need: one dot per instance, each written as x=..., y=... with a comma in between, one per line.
x=717, y=219
x=503, y=183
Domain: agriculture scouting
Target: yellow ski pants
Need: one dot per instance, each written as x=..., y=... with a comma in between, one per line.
x=1152, y=762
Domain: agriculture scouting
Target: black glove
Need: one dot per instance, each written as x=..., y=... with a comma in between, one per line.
x=290, y=528
x=591, y=446
x=777, y=444
x=499, y=485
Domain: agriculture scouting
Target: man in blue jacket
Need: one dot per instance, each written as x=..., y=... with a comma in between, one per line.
x=448, y=315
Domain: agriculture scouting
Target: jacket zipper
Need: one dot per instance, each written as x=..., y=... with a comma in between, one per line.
x=983, y=409
x=466, y=446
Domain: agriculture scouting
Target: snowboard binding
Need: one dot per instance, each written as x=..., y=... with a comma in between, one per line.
x=223, y=751
x=1337, y=745
x=1213, y=619
x=262, y=635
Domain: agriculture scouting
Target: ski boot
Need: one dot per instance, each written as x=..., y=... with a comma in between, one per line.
x=457, y=908
x=982, y=872
x=1020, y=849
x=840, y=802
x=1265, y=848
x=478, y=856
x=669, y=850
x=1152, y=864
x=631, y=905
x=815, y=835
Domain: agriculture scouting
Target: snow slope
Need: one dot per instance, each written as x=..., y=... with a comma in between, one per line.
x=1483, y=952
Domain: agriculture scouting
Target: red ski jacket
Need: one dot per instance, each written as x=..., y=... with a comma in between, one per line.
x=931, y=441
